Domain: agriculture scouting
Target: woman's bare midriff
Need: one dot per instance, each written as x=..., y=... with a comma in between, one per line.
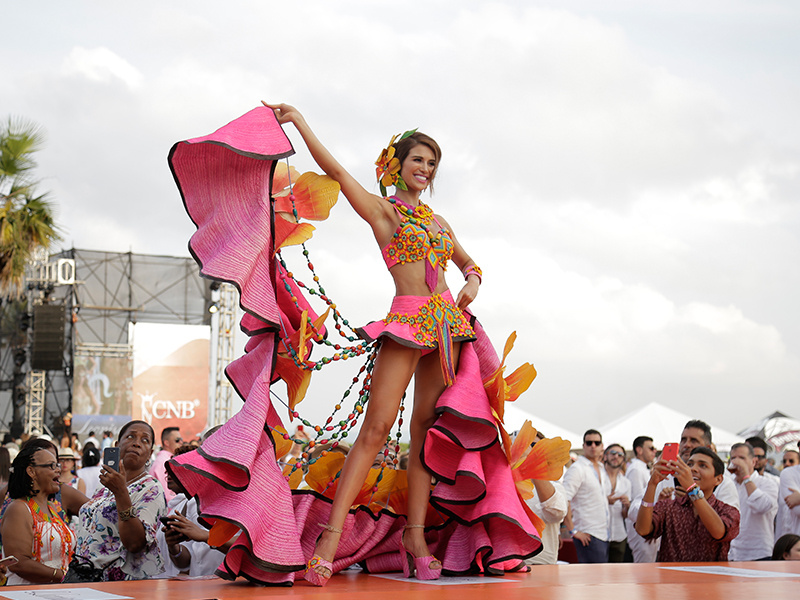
x=409, y=280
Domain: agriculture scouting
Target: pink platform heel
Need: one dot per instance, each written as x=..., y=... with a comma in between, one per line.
x=311, y=575
x=423, y=567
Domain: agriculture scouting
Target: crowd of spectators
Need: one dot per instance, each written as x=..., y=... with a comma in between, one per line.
x=67, y=516
x=688, y=508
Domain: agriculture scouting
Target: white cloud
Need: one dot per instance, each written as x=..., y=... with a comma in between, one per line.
x=101, y=65
x=631, y=230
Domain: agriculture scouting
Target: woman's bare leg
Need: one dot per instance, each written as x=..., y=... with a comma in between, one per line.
x=393, y=370
x=428, y=386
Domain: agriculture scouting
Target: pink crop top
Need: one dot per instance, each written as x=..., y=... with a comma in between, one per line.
x=415, y=240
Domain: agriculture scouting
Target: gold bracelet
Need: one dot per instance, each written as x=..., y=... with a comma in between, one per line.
x=126, y=515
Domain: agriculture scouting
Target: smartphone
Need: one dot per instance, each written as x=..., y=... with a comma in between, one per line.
x=8, y=561
x=165, y=521
x=111, y=458
x=670, y=452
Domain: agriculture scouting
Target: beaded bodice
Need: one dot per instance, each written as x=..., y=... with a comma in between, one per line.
x=419, y=236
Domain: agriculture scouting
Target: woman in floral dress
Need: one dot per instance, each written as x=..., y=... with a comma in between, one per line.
x=117, y=528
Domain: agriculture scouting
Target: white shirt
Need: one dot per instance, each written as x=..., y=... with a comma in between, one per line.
x=91, y=477
x=552, y=511
x=644, y=551
x=616, y=523
x=756, y=524
x=585, y=490
x=204, y=559
x=638, y=474
x=788, y=520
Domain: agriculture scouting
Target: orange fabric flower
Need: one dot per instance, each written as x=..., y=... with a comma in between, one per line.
x=501, y=390
x=310, y=194
x=295, y=377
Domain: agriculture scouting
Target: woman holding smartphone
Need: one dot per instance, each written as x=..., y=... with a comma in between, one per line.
x=116, y=533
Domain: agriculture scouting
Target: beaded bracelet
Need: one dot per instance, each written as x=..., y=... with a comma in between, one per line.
x=693, y=493
x=473, y=269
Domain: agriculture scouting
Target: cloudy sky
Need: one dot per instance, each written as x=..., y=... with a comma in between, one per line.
x=625, y=172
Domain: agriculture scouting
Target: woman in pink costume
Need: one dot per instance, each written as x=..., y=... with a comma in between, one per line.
x=398, y=359
x=474, y=520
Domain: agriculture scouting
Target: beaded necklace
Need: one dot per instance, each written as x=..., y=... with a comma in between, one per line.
x=42, y=534
x=421, y=215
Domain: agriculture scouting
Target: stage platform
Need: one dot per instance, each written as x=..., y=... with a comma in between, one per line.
x=709, y=581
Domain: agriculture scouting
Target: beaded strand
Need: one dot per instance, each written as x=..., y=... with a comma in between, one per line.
x=332, y=431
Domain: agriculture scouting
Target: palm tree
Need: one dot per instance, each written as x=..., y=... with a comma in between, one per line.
x=26, y=219
x=26, y=224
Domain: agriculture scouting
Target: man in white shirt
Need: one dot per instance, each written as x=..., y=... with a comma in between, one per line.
x=638, y=472
x=788, y=520
x=584, y=485
x=92, y=440
x=758, y=503
x=618, y=492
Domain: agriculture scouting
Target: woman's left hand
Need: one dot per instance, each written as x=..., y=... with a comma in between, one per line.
x=116, y=482
x=467, y=294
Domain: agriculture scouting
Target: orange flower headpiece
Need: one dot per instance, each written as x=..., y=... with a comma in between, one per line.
x=388, y=165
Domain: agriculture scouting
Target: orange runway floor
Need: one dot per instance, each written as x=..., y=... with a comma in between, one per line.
x=562, y=582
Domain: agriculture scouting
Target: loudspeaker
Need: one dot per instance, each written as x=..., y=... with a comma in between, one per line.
x=48, y=337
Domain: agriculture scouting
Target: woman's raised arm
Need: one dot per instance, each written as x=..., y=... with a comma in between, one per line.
x=367, y=205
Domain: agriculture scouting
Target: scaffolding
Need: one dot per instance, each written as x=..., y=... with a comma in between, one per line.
x=225, y=316
x=34, y=401
x=102, y=294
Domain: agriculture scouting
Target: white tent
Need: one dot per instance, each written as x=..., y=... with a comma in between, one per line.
x=514, y=418
x=661, y=423
x=781, y=431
